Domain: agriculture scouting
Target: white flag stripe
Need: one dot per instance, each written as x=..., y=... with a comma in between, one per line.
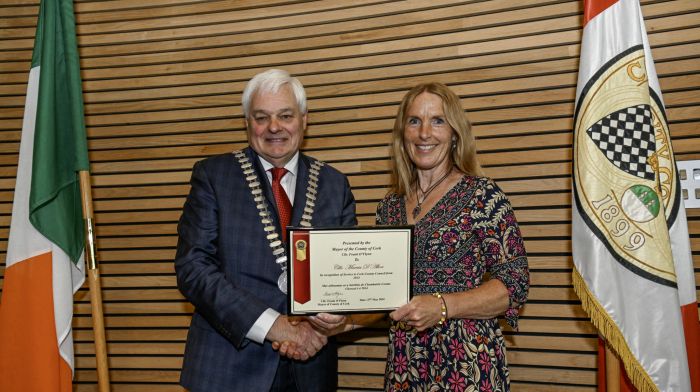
x=26, y=242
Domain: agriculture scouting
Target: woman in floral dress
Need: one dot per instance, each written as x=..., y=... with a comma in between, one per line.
x=469, y=260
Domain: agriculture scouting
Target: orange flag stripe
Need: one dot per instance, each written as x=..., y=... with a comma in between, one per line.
x=27, y=310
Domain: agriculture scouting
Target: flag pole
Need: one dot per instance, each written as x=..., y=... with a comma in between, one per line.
x=93, y=273
x=612, y=370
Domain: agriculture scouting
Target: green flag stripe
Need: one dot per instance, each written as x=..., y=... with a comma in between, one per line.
x=60, y=146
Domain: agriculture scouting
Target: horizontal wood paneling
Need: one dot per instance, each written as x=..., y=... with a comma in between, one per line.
x=162, y=81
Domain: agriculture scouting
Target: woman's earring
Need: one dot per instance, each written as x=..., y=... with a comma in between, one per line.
x=454, y=143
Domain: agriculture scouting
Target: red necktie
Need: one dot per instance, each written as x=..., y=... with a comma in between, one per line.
x=284, y=207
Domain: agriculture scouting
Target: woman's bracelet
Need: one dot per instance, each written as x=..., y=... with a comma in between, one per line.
x=443, y=308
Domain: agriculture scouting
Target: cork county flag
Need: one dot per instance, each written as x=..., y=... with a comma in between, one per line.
x=633, y=267
x=44, y=263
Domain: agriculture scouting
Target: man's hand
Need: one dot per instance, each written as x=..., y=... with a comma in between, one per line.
x=299, y=341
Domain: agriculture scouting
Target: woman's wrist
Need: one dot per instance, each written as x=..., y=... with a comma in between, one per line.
x=444, y=303
x=443, y=308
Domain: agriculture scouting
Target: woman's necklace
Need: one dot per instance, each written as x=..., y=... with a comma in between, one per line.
x=425, y=193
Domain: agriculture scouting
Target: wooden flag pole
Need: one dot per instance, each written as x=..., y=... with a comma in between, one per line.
x=93, y=274
x=612, y=370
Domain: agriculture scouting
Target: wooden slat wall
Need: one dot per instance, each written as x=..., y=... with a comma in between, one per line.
x=162, y=82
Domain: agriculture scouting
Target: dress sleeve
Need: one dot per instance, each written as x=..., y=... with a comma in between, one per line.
x=502, y=247
x=380, y=217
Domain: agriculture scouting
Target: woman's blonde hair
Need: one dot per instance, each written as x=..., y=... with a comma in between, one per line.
x=403, y=171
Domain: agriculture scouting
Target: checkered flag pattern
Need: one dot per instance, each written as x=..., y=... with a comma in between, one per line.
x=626, y=138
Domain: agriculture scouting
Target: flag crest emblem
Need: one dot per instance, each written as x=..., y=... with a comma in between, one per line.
x=625, y=185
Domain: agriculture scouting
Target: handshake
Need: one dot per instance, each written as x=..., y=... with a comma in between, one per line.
x=300, y=338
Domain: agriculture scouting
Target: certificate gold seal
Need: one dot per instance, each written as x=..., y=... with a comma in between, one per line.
x=301, y=247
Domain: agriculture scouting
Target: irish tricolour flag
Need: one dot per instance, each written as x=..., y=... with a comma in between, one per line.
x=633, y=266
x=44, y=264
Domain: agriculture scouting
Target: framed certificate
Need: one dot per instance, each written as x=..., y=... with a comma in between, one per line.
x=348, y=270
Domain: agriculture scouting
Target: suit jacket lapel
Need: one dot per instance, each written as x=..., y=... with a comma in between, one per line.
x=300, y=190
x=264, y=184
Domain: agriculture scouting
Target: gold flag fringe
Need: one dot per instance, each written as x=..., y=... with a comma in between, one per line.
x=609, y=330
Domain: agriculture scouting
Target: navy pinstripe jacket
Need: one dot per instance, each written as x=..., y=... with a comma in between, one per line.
x=225, y=267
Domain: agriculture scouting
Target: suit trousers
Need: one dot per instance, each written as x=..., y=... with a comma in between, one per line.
x=285, y=381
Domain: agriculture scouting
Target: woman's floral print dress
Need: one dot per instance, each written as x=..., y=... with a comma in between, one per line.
x=469, y=234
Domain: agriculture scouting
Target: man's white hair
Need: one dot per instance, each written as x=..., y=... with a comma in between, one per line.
x=271, y=81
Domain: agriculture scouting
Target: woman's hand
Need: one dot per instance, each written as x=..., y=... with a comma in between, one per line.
x=326, y=323
x=423, y=312
x=329, y=324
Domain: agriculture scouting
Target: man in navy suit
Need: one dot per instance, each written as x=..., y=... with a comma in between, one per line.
x=230, y=260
